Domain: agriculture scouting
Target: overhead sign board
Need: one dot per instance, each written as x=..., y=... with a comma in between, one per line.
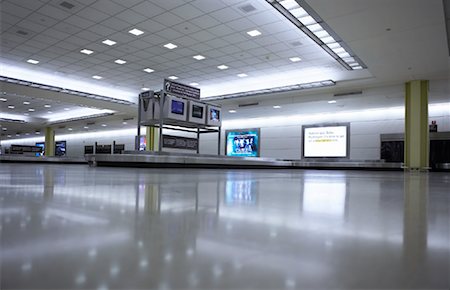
x=180, y=142
x=181, y=90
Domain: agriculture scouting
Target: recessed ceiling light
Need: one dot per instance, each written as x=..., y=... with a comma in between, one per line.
x=26, y=114
x=222, y=66
x=254, y=33
x=120, y=61
x=295, y=59
x=11, y=107
x=199, y=57
x=9, y=136
x=33, y=61
x=37, y=132
x=47, y=106
x=232, y=111
x=17, y=134
x=66, y=109
x=148, y=70
x=136, y=31
x=86, y=127
x=3, y=99
x=173, y=77
x=145, y=89
x=87, y=51
x=30, y=110
x=124, y=123
x=26, y=103
x=170, y=46
x=27, y=134
x=49, y=112
x=109, y=42
x=332, y=102
x=194, y=84
x=277, y=107
x=103, y=125
x=242, y=75
x=97, y=77
x=70, y=129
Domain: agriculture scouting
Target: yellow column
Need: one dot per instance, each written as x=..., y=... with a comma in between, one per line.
x=49, y=141
x=151, y=138
x=416, y=125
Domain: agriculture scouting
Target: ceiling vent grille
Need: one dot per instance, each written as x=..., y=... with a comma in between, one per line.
x=248, y=105
x=67, y=5
x=348, y=94
x=247, y=8
x=21, y=32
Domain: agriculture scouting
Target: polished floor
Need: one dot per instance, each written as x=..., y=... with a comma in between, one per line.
x=77, y=227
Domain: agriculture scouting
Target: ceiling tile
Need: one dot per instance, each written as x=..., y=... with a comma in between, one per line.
x=147, y=9
x=101, y=30
x=151, y=26
x=186, y=27
x=187, y=12
x=226, y=15
x=18, y=11
x=208, y=6
x=78, y=21
x=169, y=34
x=53, y=12
x=205, y=21
x=168, y=19
x=203, y=36
x=131, y=17
x=93, y=14
x=170, y=4
x=116, y=24
x=107, y=6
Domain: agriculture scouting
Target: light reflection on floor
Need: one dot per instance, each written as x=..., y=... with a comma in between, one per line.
x=104, y=228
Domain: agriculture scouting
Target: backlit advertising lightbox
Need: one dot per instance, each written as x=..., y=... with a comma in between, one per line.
x=321, y=141
x=242, y=143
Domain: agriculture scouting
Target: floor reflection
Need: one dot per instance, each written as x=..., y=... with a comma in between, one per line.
x=105, y=228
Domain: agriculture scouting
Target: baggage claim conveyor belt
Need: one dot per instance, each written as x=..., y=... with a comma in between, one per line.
x=180, y=160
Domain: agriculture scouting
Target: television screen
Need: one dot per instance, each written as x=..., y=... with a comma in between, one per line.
x=142, y=143
x=197, y=111
x=177, y=107
x=325, y=141
x=214, y=115
x=242, y=143
x=41, y=144
x=60, y=148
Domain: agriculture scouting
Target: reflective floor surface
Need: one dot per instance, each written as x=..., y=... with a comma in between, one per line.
x=76, y=227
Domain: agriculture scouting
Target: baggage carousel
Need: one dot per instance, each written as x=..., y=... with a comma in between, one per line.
x=42, y=159
x=179, y=160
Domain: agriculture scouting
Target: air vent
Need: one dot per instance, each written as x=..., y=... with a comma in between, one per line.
x=90, y=123
x=21, y=32
x=248, y=105
x=128, y=119
x=247, y=8
x=67, y=5
x=348, y=94
x=62, y=127
x=296, y=43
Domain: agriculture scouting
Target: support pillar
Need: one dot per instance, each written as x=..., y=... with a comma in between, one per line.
x=151, y=137
x=416, y=125
x=49, y=141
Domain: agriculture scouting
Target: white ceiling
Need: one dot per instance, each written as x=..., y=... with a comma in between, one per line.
x=414, y=47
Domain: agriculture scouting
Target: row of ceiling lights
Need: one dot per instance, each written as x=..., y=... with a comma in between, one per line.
x=170, y=46
x=233, y=111
x=12, y=107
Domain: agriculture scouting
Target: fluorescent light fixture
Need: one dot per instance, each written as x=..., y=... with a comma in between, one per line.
x=120, y=61
x=170, y=45
x=87, y=51
x=332, y=102
x=145, y=89
x=173, y=77
x=11, y=107
x=26, y=103
x=277, y=107
x=242, y=75
x=222, y=67
x=306, y=19
x=47, y=106
x=194, y=84
x=232, y=111
x=148, y=70
x=358, y=67
x=199, y=57
x=109, y=42
x=31, y=110
x=33, y=61
x=3, y=99
x=295, y=59
x=254, y=33
x=97, y=77
x=136, y=31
